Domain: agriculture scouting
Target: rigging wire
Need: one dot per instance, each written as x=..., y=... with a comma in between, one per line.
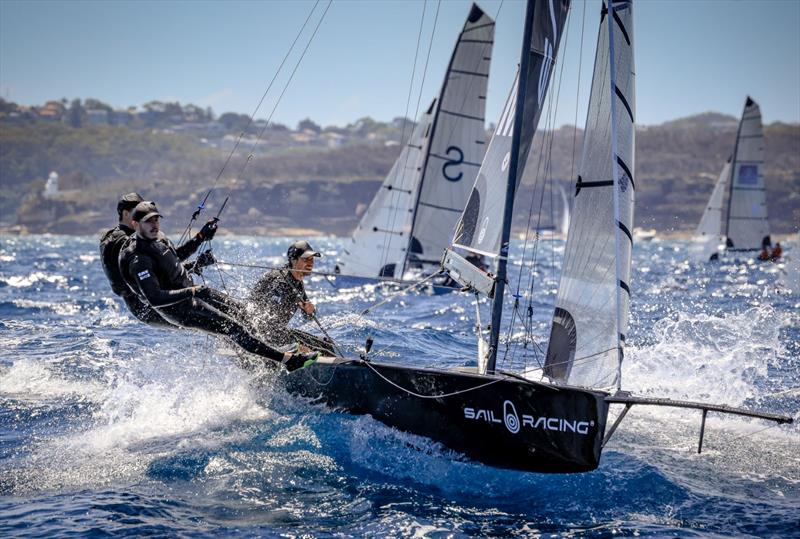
x=285, y=87
x=416, y=115
x=201, y=206
x=546, y=162
x=394, y=197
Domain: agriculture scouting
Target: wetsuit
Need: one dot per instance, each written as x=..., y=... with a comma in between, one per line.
x=111, y=243
x=153, y=270
x=276, y=296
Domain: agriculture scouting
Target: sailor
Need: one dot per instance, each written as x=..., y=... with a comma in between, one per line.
x=279, y=294
x=152, y=268
x=113, y=241
x=776, y=252
x=764, y=254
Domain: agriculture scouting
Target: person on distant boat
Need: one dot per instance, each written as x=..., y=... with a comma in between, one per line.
x=280, y=293
x=776, y=252
x=111, y=243
x=152, y=268
x=764, y=255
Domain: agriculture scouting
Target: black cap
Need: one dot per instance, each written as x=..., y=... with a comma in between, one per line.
x=144, y=211
x=128, y=202
x=301, y=249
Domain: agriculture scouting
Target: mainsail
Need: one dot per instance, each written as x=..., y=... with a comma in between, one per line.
x=457, y=142
x=378, y=245
x=591, y=315
x=412, y=216
x=747, y=227
x=481, y=223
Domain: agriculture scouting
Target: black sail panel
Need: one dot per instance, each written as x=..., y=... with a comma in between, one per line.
x=479, y=231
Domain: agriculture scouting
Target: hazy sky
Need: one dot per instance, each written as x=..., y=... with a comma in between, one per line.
x=691, y=56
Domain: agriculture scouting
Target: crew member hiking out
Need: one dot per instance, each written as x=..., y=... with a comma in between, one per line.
x=279, y=294
x=152, y=268
x=113, y=241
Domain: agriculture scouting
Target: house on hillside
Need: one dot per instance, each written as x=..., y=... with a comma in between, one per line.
x=97, y=117
x=52, y=111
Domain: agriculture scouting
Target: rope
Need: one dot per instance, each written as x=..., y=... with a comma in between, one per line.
x=400, y=293
x=188, y=229
x=440, y=396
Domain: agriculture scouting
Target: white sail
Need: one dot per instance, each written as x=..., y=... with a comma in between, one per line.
x=457, y=141
x=481, y=222
x=708, y=236
x=591, y=315
x=711, y=223
x=378, y=245
x=747, y=225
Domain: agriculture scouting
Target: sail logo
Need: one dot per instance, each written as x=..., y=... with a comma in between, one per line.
x=453, y=163
x=506, y=161
x=544, y=72
x=482, y=232
x=514, y=423
x=510, y=417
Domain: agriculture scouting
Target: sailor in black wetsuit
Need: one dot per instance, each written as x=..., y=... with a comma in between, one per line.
x=279, y=294
x=112, y=242
x=152, y=268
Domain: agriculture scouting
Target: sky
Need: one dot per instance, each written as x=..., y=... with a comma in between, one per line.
x=691, y=56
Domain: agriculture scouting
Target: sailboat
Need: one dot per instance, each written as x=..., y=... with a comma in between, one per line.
x=553, y=420
x=410, y=220
x=739, y=221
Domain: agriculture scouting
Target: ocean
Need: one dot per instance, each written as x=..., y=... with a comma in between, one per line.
x=110, y=427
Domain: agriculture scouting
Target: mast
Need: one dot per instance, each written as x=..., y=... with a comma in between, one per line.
x=615, y=177
x=730, y=178
x=502, y=261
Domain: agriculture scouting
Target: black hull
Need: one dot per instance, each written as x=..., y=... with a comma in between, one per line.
x=497, y=420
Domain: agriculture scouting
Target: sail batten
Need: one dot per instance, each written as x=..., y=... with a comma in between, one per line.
x=592, y=304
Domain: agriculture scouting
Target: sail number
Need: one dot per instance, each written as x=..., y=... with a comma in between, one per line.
x=453, y=162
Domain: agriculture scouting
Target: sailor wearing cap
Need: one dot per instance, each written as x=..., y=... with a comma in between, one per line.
x=280, y=293
x=152, y=268
x=111, y=243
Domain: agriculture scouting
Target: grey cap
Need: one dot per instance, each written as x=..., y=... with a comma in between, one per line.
x=301, y=249
x=144, y=211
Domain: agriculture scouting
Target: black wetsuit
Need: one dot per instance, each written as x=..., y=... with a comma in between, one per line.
x=153, y=270
x=111, y=243
x=276, y=296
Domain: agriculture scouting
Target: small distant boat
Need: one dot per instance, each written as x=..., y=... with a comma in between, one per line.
x=735, y=218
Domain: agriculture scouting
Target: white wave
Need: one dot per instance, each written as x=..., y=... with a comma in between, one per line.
x=22, y=281
x=30, y=380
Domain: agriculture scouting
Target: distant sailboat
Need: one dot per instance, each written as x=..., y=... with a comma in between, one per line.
x=553, y=419
x=410, y=220
x=739, y=221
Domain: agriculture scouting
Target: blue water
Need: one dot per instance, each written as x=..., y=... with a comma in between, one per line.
x=111, y=427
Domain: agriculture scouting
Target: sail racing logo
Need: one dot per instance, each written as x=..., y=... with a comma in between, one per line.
x=511, y=420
